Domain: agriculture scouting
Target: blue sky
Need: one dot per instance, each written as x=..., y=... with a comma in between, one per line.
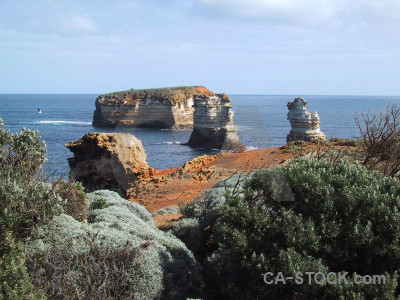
x=233, y=46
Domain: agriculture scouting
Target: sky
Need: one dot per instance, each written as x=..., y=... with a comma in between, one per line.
x=293, y=47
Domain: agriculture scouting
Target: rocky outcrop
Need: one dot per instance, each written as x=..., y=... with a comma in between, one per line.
x=113, y=161
x=305, y=125
x=152, y=108
x=213, y=123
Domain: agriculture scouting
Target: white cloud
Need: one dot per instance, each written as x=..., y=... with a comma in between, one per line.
x=267, y=8
x=337, y=13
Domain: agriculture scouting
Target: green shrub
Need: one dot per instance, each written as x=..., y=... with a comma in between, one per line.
x=341, y=218
x=21, y=154
x=25, y=200
x=15, y=283
x=25, y=203
x=196, y=228
x=99, y=203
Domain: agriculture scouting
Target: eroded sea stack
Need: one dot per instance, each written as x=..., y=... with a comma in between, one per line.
x=305, y=125
x=113, y=161
x=213, y=123
x=165, y=108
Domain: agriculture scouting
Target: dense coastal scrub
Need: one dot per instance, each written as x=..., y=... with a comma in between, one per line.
x=307, y=217
x=27, y=200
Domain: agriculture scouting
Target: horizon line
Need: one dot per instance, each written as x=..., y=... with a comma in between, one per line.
x=229, y=94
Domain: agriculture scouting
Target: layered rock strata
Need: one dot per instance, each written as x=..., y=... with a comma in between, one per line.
x=305, y=125
x=213, y=123
x=169, y=108
x=113, y=161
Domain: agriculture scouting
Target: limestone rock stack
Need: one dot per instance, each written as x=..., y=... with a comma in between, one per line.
x=111, y=161
x=169, y=108
x=305, y=125
x=213, y=123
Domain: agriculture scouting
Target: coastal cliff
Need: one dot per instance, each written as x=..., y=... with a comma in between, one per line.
x=165, y=108
x=305, y=125
x=113, y=161
x=213, y=123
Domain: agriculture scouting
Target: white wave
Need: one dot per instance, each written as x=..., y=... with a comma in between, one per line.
x=171, y=143
x=56, y=122
x=251, y=148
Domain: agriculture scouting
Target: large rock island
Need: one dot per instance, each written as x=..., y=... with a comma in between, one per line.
x=165, y=108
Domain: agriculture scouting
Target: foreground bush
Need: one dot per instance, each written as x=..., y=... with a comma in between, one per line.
x=25, y=202
x=15, y=283
x=119, y=254
x=342, y=219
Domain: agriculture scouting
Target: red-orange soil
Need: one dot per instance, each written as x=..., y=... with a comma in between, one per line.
x=164, y=188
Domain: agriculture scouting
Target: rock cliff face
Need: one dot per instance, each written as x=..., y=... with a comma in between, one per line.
x=152, y=108
x=113, y=161
x=213, y=123
x=305, y=125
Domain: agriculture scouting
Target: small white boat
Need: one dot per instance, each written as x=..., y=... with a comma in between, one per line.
x=39, y=111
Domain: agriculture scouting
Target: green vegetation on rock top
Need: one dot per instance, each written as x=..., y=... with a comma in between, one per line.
x=186, y=88
x=168, y=93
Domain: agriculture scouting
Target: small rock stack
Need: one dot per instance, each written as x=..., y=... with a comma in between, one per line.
x=305, y=125
x=113, y=161
x=213, y=123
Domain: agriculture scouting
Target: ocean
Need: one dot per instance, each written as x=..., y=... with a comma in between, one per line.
x=261, y=119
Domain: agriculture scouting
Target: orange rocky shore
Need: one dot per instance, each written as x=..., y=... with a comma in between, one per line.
x=164, y=188
x=170, y=187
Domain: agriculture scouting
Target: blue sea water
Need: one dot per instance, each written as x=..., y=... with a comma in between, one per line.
x=261, y=119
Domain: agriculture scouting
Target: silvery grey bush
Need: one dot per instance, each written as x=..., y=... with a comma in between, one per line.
x=118, y=254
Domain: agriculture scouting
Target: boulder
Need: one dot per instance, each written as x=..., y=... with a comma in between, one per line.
x=112, y=161
x=305, y=125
